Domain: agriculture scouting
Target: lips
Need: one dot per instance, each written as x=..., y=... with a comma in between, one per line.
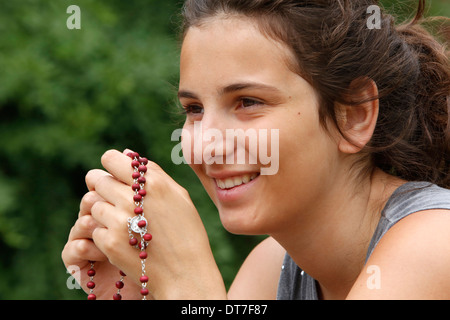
x=231, y=182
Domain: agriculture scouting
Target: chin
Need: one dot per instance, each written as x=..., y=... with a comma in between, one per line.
x=242, y=222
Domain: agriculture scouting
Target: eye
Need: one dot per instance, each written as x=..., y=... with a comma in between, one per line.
x=193, y=109
x=249, y=103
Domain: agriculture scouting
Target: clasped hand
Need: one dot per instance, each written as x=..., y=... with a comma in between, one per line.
x=180, y=263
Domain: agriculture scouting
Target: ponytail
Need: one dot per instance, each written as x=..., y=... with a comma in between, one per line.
x=421, y=150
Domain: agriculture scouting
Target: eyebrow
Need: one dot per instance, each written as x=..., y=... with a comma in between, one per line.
x=187, y=95
x=232, y=88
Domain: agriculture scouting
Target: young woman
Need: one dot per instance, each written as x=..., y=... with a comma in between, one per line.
x=359, y=207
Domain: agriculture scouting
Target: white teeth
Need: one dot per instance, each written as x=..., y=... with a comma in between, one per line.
x=235, y=181
x=220, y=184
x=229, y=183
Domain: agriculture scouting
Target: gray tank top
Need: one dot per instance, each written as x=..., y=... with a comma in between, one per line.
x=295, y=284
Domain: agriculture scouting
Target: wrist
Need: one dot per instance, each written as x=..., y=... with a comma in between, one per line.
x=203, y=285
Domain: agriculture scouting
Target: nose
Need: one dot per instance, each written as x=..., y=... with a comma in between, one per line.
x=210, y=139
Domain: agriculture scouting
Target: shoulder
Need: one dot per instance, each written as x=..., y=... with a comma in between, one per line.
x=416, y=196
x=258, y=276
x=411, y=261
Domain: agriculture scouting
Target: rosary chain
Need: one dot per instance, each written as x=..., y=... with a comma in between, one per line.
x=138, y=225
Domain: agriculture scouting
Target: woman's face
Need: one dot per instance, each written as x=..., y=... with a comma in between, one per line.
x=234, y=77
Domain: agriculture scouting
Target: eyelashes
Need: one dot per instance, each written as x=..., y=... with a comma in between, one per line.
x=247, y=103
x=243, y=103
x=192, y=109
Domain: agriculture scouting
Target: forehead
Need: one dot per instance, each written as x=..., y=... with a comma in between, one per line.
x=230, y=46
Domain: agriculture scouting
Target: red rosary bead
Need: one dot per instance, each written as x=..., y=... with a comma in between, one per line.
x=133, y=242
x=90, y=285
x=141, y=180
x=117, y=296
x=91, y=296
x=119, y=284
x=143, y=255
x=142, y=224
x=148, y=237
x=136, y=175
x=140, y=245
x=135, y=164
x=133, y=155
x=136, y=186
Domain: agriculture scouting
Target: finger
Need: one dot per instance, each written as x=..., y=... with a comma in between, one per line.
x=79, y=252
x=83, y=228
x=119, y=165
x=117, y=250
x=88, y=201
x=109, y=188
x=109, y=216
x=93, y=176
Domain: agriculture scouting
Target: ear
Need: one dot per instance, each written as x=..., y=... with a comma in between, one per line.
x=357, y=122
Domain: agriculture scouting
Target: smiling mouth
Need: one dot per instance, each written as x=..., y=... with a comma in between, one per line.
x=232, y=182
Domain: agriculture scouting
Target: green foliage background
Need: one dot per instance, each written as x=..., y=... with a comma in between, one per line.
x=66, y=96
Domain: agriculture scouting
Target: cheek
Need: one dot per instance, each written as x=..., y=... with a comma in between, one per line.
x=305, y=148
x=308, y=160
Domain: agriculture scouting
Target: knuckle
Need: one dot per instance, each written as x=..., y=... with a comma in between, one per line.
x=153, y=185
x=86, y=223
x=108, y=156
x=97, y=211
x=64, y=254
x=96, y=208
x=82, y=248
x=92, y=177
x=89, y=175
x=89, y=199
x=153, y=165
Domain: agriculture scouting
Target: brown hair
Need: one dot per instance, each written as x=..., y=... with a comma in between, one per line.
x=334, y=46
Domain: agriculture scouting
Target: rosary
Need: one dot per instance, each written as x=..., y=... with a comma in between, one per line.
x=136, y=225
